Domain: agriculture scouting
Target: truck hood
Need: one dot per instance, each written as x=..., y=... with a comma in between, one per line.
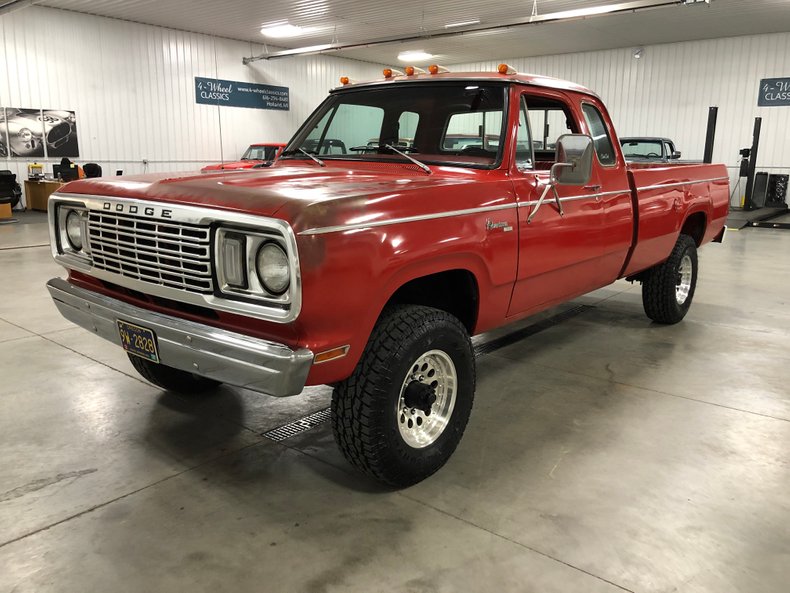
x=300, y=194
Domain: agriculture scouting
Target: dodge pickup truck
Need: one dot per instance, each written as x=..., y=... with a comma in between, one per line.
x=256, y=155
x=369, y=268
x=649, y=149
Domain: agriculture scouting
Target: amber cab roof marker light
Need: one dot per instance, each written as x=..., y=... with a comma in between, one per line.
x=390, y=72
x=412, y=70
x=437, y=69
x=505, y=69
x=344, y=80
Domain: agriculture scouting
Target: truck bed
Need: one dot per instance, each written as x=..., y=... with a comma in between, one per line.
x=668, y=198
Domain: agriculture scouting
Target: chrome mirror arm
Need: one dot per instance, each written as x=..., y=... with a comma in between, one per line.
x=546, y=190
x=552, y=186
x=557, y=200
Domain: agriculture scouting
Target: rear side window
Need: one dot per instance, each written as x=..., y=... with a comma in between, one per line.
x=601, y=140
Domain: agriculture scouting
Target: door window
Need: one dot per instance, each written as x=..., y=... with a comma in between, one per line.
x=524, y=159
x=548, y=120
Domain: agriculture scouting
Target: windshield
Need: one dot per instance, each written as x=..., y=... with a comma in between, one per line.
x=449, y=124
x=642, y=149
x=260, y=153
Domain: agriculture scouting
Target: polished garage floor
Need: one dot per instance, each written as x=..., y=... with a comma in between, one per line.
x=603, y=454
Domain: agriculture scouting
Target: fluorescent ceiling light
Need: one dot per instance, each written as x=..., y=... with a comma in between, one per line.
x=305, y=50
x=462, y=24
x=283, y=30
x=415, y=55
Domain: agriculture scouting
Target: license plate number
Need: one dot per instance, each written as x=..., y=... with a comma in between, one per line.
x=139, y=341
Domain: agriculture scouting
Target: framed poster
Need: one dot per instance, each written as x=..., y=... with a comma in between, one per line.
x=24, y=132
x=60, y=129
x=4, y=150
x=33, y=133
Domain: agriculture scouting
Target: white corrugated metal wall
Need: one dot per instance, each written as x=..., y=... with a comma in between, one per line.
x=668, y=90
x=132, y=87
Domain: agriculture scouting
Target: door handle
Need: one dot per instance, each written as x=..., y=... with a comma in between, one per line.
x=592, y=187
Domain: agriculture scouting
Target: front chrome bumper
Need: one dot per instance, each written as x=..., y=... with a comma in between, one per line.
x=232, y=358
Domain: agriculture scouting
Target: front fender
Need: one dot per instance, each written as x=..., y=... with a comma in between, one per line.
x=348, y=278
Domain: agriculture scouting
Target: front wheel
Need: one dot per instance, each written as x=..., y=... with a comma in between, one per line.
x=403, y=411
x=668, y=288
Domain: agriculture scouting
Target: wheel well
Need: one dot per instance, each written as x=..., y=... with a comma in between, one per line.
x=694, y=227
x=454, y=291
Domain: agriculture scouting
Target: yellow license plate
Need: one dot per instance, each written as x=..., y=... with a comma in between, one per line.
x=139, y=341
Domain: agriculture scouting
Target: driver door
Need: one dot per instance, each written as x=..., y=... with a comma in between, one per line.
x=559, y=254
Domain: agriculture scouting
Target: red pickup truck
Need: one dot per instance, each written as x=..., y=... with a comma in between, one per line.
x=256, y=155
x=368, y=267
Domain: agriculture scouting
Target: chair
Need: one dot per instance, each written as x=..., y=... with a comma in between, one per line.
x=10, y=190
x=92, y=170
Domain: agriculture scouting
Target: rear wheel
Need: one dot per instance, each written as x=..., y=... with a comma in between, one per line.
x=171, y=379
x=668, y=289
x=403, y=411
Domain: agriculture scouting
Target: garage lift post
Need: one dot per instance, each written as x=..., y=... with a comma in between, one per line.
x=710, y=136
x=748, y=204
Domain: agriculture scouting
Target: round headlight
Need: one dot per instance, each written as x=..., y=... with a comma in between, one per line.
x=74, y=230
x=25, y=134
x=273, y=270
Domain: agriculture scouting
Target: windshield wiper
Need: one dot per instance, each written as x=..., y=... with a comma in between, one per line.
x=422, y=166
x=315, y=158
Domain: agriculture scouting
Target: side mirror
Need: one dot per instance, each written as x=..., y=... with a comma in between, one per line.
x=675, y=154
x=574, y=157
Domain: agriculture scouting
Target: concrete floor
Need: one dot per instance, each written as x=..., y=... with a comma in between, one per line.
x=603, y=454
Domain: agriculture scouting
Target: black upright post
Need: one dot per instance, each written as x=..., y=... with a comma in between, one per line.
x=747, y=202
x=710, y=137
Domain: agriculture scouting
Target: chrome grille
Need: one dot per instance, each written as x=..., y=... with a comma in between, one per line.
x=168, y=253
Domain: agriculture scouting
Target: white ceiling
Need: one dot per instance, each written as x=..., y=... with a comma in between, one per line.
x=357, y=21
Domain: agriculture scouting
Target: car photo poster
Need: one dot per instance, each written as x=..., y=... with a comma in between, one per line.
x=61, y=128
x=35, y=133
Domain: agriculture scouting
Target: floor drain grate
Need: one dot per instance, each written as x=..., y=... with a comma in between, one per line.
x=297, y=426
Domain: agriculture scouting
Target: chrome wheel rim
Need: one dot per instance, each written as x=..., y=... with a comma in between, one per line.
x=683, y=287
x=420, y=428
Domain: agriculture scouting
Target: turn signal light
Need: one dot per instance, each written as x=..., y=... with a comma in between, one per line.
x=436, y=69
x=505, y=69
x=328, y=355
x=344, y=80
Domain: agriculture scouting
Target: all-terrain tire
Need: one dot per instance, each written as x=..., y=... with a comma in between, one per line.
x=668, y=288
x=171, y=379
x=370, y=426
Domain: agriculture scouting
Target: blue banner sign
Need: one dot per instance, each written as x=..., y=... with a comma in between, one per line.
x=774, y=92
x=232, y=93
